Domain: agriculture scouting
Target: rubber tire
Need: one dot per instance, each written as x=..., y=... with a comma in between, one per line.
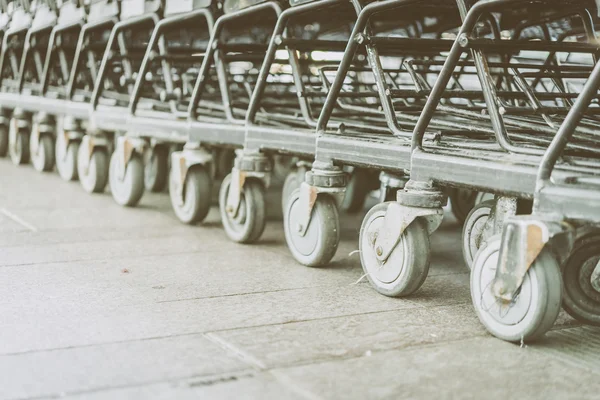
x=479, y=212
x=97, y=177
x=290, y=184
x=3, y=141
x=545, y=287
x=197, y=195
x=462, y=202
x=156, y=169
x=582, y=302
x=357, y=190
x=127, y=192
x=253, y=201
x=67, y=168
x=21, y=156
x=324, y=223
x=411, y=254
x=43, y=161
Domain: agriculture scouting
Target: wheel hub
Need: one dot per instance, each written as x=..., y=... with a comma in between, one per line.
x=391, y=269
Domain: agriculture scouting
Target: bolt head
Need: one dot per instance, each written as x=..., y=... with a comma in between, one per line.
x=299, y=228
x=229, y=209
x=379, y=251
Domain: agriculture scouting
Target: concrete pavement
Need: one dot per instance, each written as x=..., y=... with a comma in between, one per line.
x=102, y=302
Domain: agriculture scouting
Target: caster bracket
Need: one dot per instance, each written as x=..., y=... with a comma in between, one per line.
x=88, y=144
x=182, y=161
x=238, y=179
x=124, y=150
x=397, y=218
x=523, y=239
x=308, y=198
x=247, y=165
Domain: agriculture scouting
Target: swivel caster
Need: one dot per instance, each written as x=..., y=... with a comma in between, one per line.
x=127, y=188
x=581, y=276
x=156, y=168
x=407, y=266
x=42, y=153
x=3, y=141
x=475, y=230
x=247, y=223
x=534, y=309
x=316, y=245
x=18, y=144
x=66, y=157
x=92, y=169
x=193, y=204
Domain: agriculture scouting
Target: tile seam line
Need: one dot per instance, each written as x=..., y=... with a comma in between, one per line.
x=66, y=395
x=176, y=335
x=18, y=220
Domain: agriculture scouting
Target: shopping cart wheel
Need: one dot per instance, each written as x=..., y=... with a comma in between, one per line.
x=462, y=202
x=196, y=195
x=3, y=141
x=581, y=276
x=535, y=309
x=128, y=189
x=248, y=224
x=19, y=149
x=156, y=168
x=407, y=266
x=94, y=175
x=291, y=183
x=474, y=230
x=42, y=154
x=357, y=189
x=320, y=241
x=66, y=158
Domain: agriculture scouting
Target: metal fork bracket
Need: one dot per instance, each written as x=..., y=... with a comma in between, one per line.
x=70, y=128
x=124, y=150
x=247, y=165
x=235, y=53
x=381, y=92
x=418, y=200
x=528, y=75
x=323, y=178
x=87, y=146
x=122, y=59
x=170, y=66
x=523, y=239
x=182, y=161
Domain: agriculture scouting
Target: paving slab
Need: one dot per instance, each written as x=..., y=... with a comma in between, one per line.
x=92, y=368
x=240, y=385
x=468, y=369
x=44, y=326
x=352, y=336
x=103, y=302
